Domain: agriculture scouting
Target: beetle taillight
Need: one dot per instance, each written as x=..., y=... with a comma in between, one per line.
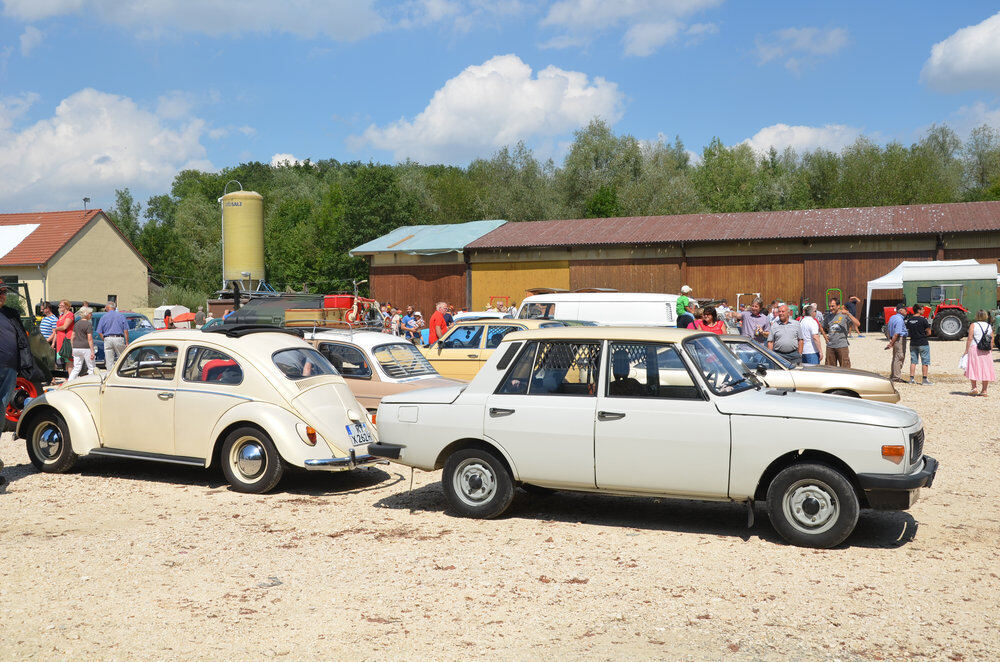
x=311, y=435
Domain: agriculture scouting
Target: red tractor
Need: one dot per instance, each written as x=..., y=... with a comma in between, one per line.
x=949, y=319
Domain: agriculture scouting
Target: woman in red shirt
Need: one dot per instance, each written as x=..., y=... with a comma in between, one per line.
x=64, y=333
x=709, y=322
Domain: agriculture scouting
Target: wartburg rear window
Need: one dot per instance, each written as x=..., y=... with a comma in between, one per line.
x=300, y=363
x=401, y=360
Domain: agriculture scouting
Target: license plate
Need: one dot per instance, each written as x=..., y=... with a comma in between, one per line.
x=359, y=434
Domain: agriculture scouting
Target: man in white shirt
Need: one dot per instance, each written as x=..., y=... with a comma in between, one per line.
x=809, y=327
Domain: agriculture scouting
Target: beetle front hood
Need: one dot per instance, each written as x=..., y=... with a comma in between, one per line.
x=325, y=406
x=816, y=406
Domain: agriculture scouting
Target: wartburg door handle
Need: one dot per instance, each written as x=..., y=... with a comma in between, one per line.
x=496, y=412
x=610, y=415
x=164, y=396
x=473, y=356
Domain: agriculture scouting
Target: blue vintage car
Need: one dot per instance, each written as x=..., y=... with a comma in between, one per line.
x=138, y=326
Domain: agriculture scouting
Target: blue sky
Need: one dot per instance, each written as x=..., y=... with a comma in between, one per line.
x=101, y=94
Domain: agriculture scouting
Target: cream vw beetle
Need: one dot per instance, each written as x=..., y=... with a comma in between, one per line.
x=252, y=398
x=661, y=412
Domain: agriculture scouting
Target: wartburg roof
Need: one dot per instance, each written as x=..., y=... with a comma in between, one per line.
x=798, y=224
x=428, y=239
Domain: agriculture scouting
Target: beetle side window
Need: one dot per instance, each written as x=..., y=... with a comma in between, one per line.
x=555, y=368
x=150, y=362
x=648, y=370
x=204, y=364
x=464, y=337
x=349, y=361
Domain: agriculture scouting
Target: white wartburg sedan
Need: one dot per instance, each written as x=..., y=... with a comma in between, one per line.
x=251, y=398
x=660, y=412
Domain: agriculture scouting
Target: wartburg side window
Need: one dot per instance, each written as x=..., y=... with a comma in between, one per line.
x=555, y=368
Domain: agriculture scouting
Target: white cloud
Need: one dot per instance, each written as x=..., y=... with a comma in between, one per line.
x=967, y=118
x=803, y=138
x=649, y=24
x=285, y=160
x=30, y=38
x=494, y=104
x=94, y=143
x=340, y=20
x=800, y=46
x=13, y=108
x=968, y=59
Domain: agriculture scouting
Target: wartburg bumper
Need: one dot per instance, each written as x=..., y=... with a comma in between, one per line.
x=897, y=491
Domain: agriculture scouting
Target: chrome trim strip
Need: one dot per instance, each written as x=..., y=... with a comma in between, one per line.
x=144, y=388
x=231, y=395
x=155, y=457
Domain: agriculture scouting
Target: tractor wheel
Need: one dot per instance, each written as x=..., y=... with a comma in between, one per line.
x=950, y=325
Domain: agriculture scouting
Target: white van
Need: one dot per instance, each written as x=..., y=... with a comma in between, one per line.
x=605, y=308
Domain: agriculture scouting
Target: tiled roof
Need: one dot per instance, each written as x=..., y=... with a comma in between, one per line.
x=801, y=224
x=55, y=229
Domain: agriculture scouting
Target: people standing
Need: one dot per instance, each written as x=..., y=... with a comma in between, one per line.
x=449, y=315
x=785, y=337
x=64, y=334
x=754, y=323
x=709, y=322
x=168, y=319
x=918, y=328
x=113, y=330
x=838, y=350
x=199, y=317
x=438, y=325
x=852, y=308
x=15, y=356
x=979, y=354
x=83, y=345
x=396, y=321
x=810, y=330
x=897, y=342
x=685, y=308
x=48, y=324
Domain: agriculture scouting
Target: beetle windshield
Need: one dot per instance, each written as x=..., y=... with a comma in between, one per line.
x=401, y=360
x=720, y=368
x=300, y=363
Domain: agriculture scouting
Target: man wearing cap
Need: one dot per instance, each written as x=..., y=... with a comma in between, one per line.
x=113, y=329
x=15, y=355
x=685, y=308
x=896, y=330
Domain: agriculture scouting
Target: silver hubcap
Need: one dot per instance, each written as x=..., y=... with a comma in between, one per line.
x=811, y=506
x=951, y=325
x=474, y=482
x=48, y=441
x=248, y=458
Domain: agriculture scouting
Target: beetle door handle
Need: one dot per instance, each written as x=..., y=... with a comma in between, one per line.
x=610, y=415
x=496, y=412
x=165, y=395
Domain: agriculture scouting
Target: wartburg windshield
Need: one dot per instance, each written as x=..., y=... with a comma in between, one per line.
x=721, y=370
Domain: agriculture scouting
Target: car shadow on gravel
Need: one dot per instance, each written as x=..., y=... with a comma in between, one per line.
x=295, y=481
x=875, y=529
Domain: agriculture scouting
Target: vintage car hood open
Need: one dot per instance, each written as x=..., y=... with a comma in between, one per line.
x=796, y=404
x=439, y=395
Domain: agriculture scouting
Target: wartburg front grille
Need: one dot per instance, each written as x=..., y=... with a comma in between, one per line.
x=916, y=445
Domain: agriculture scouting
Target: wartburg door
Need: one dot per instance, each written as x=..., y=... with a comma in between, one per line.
x=542, y=412
x=655, y=432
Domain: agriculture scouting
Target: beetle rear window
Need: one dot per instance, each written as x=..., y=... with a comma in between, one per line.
x=300, y=363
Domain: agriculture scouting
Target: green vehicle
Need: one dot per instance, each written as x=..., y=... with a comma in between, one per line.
x=954, y=299
x=43, y=353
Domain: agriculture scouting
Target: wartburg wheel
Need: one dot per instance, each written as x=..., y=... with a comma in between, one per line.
x=48, y=444
x=812, y=505
x=477, y=483
x=250, y=461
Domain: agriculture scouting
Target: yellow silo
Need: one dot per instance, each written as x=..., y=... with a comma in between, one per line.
x=243, y=236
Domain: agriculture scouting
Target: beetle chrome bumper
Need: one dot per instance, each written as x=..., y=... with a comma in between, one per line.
x=343, y=463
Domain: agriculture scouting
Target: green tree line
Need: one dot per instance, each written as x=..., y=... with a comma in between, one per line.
x=314, y=212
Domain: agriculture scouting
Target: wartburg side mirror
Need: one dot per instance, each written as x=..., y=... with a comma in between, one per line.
x=761, y=370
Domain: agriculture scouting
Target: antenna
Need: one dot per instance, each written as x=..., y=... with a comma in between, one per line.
x=86, y=201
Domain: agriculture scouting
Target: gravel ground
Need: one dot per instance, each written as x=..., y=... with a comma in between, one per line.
x=131, y=560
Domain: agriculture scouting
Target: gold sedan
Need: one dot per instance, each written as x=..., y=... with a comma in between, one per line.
x=780, y=373
x=467, y=345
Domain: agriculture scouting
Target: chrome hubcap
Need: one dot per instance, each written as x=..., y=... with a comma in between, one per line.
x=248, y=458
x=474, y=482
x=48, y=441
x=811, y=506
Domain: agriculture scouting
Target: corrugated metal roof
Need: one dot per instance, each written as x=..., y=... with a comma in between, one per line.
x=428, y=239
x=800, y=224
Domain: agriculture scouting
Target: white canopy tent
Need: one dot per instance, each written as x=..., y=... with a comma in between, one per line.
x=936, y=270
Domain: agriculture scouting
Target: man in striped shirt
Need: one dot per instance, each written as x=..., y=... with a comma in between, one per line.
x=48, y=324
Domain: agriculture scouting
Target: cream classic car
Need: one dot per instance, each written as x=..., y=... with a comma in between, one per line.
x=251, y=398
x=776, y=371
x=376, y=364
x=658, y=412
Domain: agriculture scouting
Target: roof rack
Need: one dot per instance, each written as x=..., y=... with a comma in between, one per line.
x=240, y=330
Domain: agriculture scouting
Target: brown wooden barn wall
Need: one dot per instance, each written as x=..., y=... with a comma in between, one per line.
x=420, y=285
x=723, y=277
x=635, y=275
